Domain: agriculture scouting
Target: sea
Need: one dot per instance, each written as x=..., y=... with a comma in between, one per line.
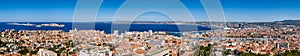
x=102, y=26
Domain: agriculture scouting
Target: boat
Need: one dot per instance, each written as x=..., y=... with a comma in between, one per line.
x=60, y=25
x=38, y=26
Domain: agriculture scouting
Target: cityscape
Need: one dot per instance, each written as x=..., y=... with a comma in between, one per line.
x=149, y=28
x=266, y=39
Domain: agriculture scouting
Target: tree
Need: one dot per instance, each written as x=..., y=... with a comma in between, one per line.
x=205, y=51
x=2, y=43
x=215, y=44
x=70, y=44
x=290, y=53
x=227, y=52
x=72, y=52
x=33, y=52
x=252, y=54
x=23, y=51
x=247, y=54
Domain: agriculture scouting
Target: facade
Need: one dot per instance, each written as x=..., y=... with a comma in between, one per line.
x=104, y=52
x=43, y=52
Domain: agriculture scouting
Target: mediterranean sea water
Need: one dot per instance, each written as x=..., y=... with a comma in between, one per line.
x=98, y=26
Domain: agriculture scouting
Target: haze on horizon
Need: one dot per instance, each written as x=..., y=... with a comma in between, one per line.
x=63, y=10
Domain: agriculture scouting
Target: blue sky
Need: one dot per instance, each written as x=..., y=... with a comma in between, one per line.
x=62, y=10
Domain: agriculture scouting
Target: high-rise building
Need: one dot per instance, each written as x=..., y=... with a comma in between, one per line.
x=277, y=45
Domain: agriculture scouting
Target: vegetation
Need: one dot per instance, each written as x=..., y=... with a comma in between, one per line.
x=58, y=49
x=286, y=53
x=23, y=51
x=2, y=44
x=72, y=52
x=70, y=44
x=227, y=52
x=252, y=54
x=204, y=51
x=290, y=53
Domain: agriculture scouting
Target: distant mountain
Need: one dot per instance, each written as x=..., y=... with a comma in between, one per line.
x=289, y=22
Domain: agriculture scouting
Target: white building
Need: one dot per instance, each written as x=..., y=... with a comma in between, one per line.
x=116, y=32
x=94, y=52
x=43, y=52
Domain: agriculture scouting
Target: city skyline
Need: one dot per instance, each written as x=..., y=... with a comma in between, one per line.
x=149, y=28
x=234, y=10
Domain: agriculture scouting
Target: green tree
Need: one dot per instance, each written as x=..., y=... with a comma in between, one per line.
x=23, y=51
x=227, y=52
x=33, y=52
x=252, y=54
x=290, y=53
x=72, y=52
x=205, y=51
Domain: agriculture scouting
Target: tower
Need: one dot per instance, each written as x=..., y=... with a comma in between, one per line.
x=150, y=32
